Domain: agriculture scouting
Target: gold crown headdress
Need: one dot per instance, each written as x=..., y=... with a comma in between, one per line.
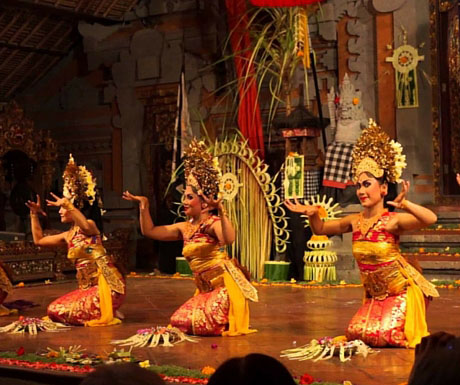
x=79, y=184
x=376, y=153
x=201, y=169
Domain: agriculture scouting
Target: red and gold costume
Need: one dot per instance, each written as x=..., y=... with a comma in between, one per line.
x=101, y=286
x=5, y=289
x=220, y=305
x=393, y=313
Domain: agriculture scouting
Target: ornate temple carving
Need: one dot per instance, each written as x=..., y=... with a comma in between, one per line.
x=17, y=132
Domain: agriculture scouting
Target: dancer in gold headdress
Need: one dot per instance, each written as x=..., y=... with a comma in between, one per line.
x=220, y=305
x=101, y=286
x=393, y=313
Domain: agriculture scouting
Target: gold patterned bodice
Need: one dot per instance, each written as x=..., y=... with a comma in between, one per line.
x=384, y=271
x=91, y=259
x=209, y=261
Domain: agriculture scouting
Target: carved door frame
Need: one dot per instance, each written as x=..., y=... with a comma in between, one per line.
x=446, y=101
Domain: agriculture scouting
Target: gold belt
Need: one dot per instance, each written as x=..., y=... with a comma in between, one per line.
x=386, y=280
x=87, y=271
x=210, y=279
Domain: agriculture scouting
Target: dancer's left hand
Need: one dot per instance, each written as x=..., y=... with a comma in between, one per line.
x=213, y=204
x=398, y=202
x=58, y=202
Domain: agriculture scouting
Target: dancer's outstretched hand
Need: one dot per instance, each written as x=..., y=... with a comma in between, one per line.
x=298, y=207
x=143, y=201
x=58, y=202
x=35, y=207
x=213, y=204
x=398, y=202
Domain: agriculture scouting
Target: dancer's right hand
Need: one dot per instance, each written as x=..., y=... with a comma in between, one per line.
x=35, y=207
x=298, y=207
x=143, y=201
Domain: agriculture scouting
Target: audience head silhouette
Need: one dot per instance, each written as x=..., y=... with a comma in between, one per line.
x=122, y=374
x=437, y=360
x=251, y=370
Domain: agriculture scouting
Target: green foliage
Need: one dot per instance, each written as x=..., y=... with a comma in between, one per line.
x=31, y=357
x=177, y=371
x=272, y=56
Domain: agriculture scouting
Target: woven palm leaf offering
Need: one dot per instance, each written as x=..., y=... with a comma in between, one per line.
x=77, y=355
x=320, y=262
x=33, y=326
x=328, y=347
x=155, y=336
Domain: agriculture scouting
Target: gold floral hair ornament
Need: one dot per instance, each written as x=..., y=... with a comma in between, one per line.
x=377, y=154
x=201, y=169
x=79, y=184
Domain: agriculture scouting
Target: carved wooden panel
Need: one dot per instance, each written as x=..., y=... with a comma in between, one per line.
x=159, y=121
x=26, y=262
x=445, y=82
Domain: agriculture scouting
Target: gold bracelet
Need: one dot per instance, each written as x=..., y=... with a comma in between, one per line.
x=403, y=205
x=222, y=212
x=33, y=215
x=68, y=205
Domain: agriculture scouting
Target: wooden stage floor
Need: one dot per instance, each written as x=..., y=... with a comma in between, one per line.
x=284, y=316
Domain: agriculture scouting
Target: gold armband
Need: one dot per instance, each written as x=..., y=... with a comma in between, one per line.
x=68, y=205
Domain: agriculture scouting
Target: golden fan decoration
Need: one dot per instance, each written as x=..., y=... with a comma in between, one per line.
x=256, y=210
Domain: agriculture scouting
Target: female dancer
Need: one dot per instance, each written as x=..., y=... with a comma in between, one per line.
x=393, y=313
x=220, y=305
x=101, y=286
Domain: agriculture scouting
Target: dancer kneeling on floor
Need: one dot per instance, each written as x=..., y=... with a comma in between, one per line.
x=101, y=285
x=393, y=312
x=220, y=305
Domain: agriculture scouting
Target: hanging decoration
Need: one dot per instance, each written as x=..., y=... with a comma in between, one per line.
x=302, y=45
x=294, y=176
x=249, y=116
x=405, y=59
x=320, y=262
x=301, y=36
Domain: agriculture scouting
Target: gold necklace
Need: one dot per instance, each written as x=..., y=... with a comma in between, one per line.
x=192, y=228
x=365, y=224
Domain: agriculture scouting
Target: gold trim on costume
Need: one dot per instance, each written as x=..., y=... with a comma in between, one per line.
x=426, y=286
x=5, y=283
x=111, y=274
x=249, y=291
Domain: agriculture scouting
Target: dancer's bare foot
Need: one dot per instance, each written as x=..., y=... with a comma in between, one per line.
x=119, y=314
x=4, y=311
